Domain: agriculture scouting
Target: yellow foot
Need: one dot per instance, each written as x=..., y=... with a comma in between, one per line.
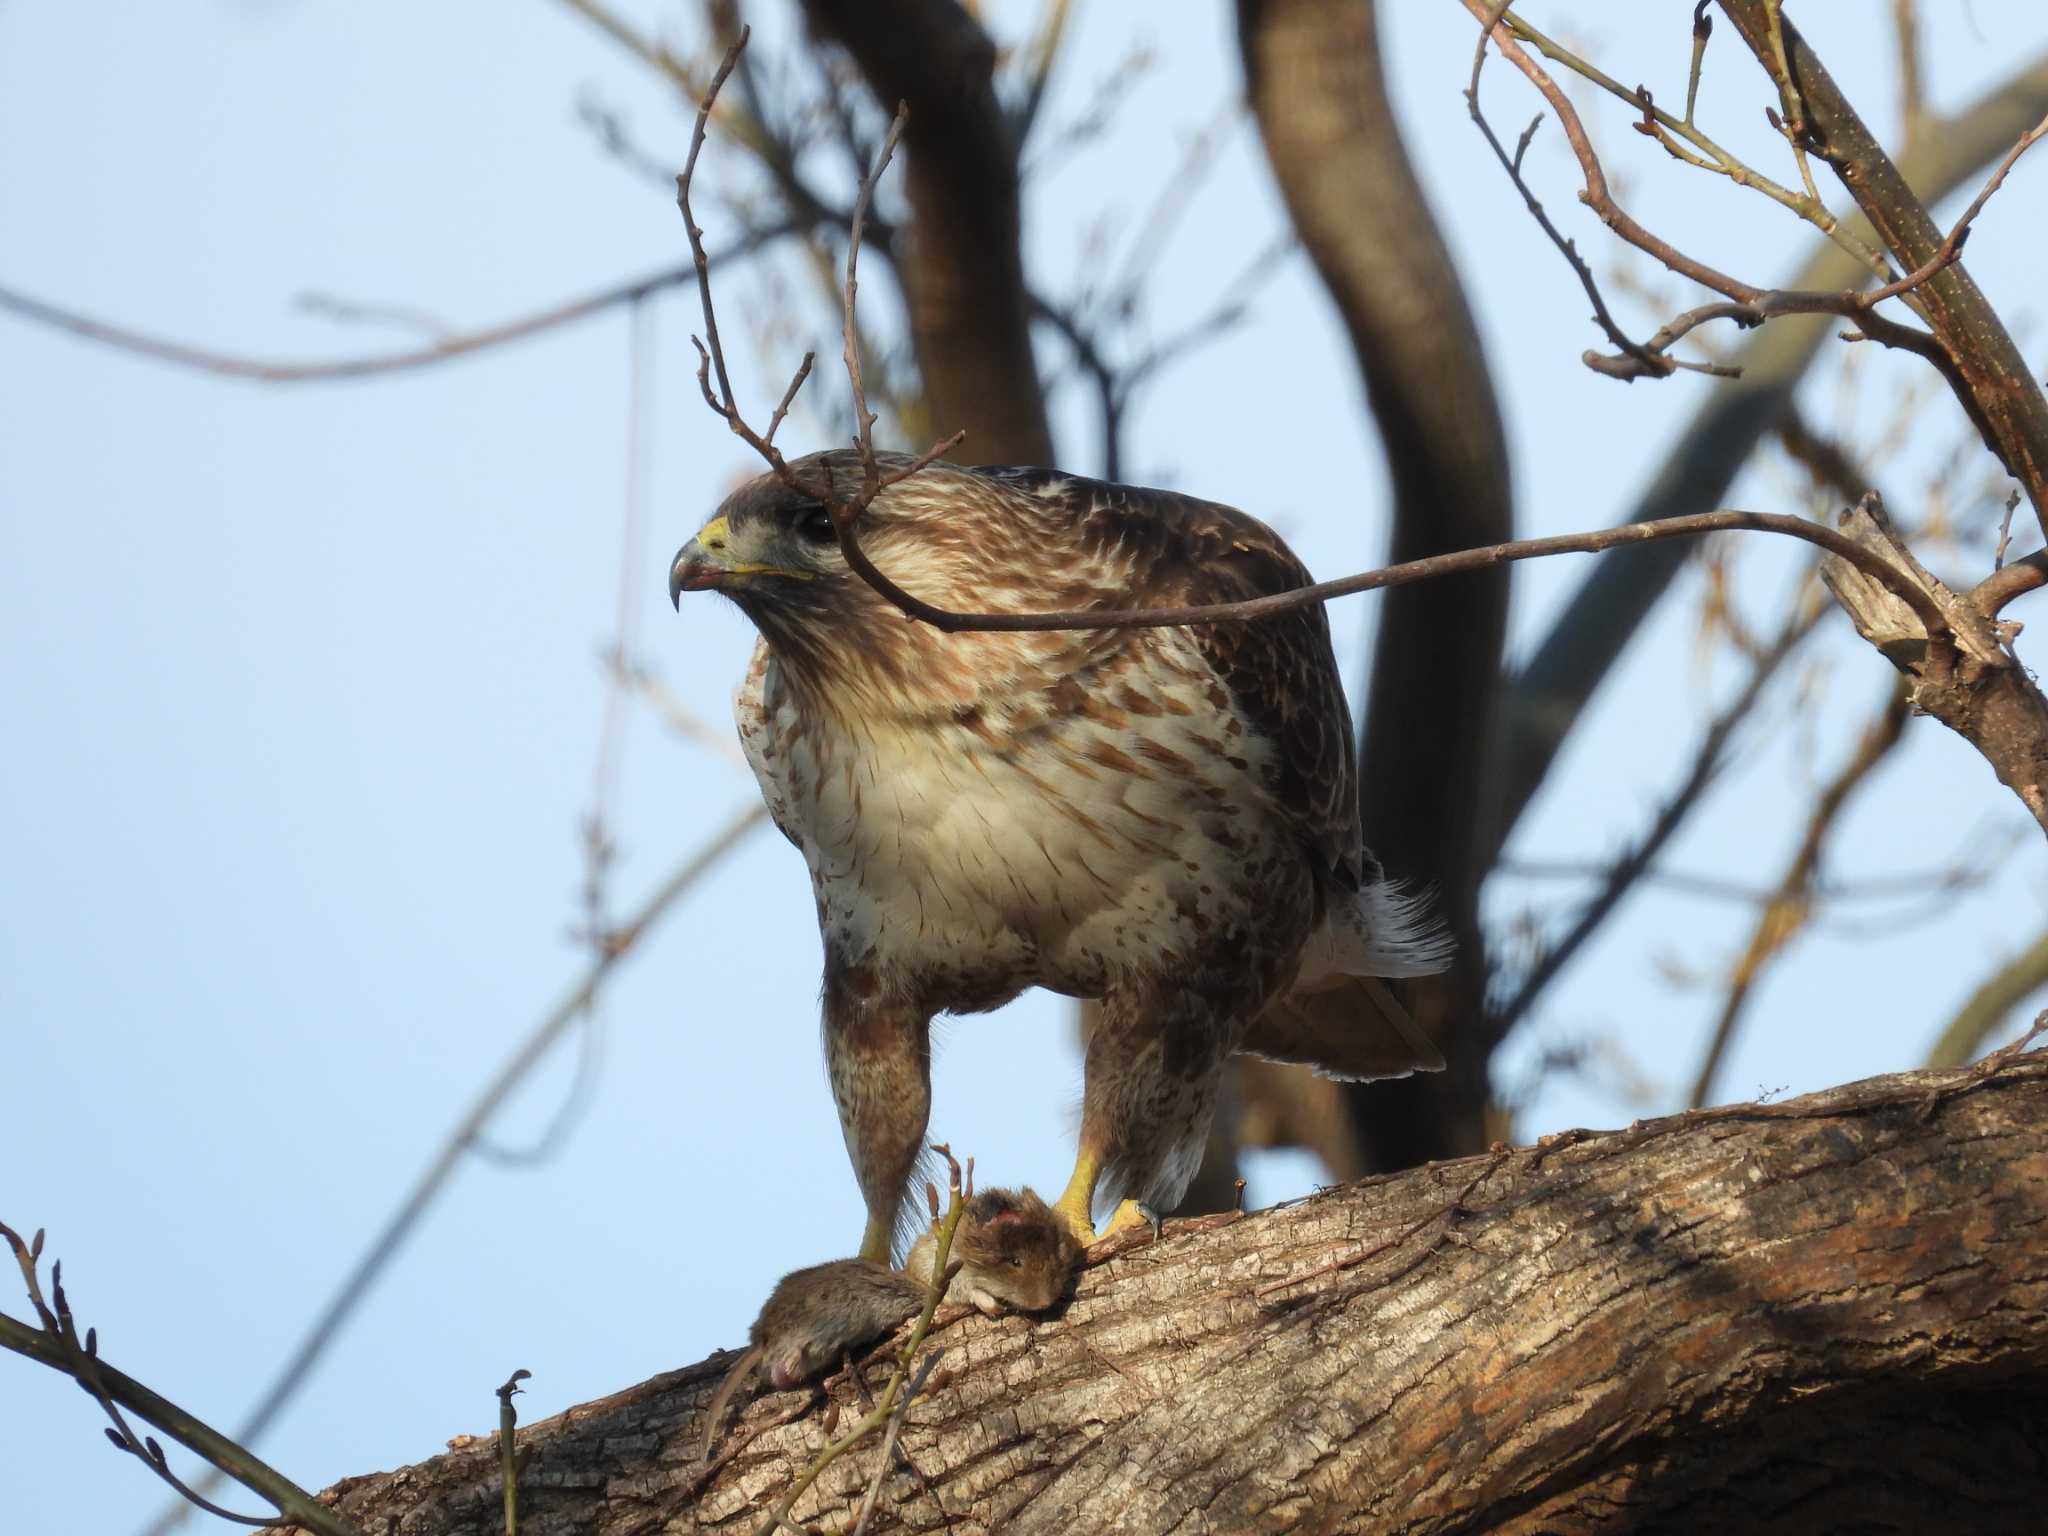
x=1073, y=1209
x=1130, y=1214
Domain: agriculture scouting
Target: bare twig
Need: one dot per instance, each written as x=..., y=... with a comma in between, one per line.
x=1672, y=134
x=1995, y=997
x=1702, y=29
x=1748, y=305
x=1943, y=882
x=677, y=715
x=903, y=1376
x=1785, y=914
x=597, y=841
x=1988, y=1068
x=399, y=1226
x=1707, y=762
x=58, y=1345
x=1044, y=54
x=1912, y=96
x=323, y=371
x=1649, y=358
x=508, y=1457
x=1432, y=568
x=889, y=1438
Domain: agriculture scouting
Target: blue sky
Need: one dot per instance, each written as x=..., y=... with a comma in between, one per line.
x=303, y=702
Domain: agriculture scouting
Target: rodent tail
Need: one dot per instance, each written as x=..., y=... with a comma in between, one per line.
x=721, y=1400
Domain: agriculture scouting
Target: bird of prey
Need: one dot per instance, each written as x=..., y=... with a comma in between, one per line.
x=1165, y=819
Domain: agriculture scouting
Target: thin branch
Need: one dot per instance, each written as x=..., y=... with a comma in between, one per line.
x=1668, y=131
x=399, y=1226
x=942, y=1274
x=1044, y=54
x=1702, y=29
x=1429, y=569
x=889, y=1439
x=1749, y=305
x=1996, y=996
x=1786, y=913
x=678, y=716
x=2019, y=577
x=329, y=370
x=1650, y=357
x=1708, y=760
x=1912, y=95
x=57, y=1344
x=508, y=1456
x=1944, y=882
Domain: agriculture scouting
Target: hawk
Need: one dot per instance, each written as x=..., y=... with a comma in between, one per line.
x=1162, y=819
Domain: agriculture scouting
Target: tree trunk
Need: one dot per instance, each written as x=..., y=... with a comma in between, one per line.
x=1428, y=779
x=961, y=260
x=1827, y=1313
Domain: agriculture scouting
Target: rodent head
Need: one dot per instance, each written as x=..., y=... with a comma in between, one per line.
x=1018, y=1248
x=789, y=1367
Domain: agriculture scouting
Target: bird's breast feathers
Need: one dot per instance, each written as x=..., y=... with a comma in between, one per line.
x=1051, y=825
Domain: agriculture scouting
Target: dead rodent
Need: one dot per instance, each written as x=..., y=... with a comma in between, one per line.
x=810, y=1319
x=1014, y=1253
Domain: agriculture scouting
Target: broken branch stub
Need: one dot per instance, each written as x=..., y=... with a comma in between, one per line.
x=1963, y=675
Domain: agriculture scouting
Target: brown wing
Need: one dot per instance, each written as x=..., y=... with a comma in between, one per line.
x=1280, y=672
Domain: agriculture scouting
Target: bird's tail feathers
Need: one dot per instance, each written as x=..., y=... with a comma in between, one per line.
x=1355, y=1030
x=1339, y=1017
x=1397, y=931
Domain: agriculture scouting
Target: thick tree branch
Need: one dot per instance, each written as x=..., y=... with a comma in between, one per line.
x=1722, y=1320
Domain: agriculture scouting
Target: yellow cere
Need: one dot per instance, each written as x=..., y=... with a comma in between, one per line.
x=716, y=534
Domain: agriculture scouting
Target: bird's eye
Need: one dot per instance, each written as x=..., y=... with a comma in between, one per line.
x=1016, y=1261
x=814, y=526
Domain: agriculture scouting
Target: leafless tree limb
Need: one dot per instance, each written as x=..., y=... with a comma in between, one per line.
x=58, y=1345
x=1997, y=387
x=1707, y=762
x=398, y=1228
x=1745, y=304
x=1990, y=1004
x=1786, y=913
x=330, y=370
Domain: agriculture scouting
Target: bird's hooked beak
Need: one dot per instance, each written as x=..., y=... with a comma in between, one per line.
x=710, y=560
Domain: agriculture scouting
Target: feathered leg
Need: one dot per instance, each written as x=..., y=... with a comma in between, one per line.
x=1153, y=1062
x=878, y=1054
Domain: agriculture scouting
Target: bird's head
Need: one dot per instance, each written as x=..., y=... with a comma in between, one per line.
x=959, y=538
x=764, y=545
x=944, y=533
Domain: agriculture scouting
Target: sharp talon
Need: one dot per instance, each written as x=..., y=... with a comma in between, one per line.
x=1153, y=1220
x=1129, y=1214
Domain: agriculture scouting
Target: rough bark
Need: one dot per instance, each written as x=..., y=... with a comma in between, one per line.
x=1548, y=696
x=960, y=258
x=1427, y=775
x=1827, y=1313
x=1966, y=678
